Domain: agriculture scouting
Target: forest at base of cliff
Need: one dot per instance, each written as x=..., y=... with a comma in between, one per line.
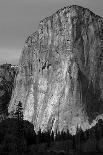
x=18, y=137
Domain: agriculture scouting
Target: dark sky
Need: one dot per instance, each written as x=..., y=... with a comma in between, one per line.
x=19, y=18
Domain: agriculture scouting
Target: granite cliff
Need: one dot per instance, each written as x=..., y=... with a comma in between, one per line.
x=7, y=78
x=60, y=79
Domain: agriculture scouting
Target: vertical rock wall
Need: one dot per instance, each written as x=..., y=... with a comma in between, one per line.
x=60, y=71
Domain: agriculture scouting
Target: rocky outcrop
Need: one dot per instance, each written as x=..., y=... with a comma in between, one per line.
x=7, y=76
x=61, y=71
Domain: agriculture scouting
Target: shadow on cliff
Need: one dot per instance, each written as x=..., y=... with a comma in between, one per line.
x=90, y=97
x=7, y=80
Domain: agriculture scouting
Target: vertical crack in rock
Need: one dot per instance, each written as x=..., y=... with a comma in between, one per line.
x=61, y=72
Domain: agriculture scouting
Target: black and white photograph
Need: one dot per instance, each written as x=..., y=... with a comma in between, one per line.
x=51, y=77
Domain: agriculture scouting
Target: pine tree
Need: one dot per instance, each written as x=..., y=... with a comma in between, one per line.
x=20, y=111
x=20, y=134
x=19, y=115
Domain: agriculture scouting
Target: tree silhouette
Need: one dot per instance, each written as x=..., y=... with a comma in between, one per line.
x=19, y=116
x=20, y=130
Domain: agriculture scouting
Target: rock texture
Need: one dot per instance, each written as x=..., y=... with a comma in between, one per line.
x=60, y=79
x=7, y=76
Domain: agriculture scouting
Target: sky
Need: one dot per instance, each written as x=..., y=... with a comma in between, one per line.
x=20, y=18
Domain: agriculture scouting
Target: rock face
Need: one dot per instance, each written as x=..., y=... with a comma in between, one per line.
x=7, y=76
x=60, y=79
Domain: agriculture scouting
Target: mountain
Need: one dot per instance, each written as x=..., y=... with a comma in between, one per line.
x=7, y=78
x=60, y=77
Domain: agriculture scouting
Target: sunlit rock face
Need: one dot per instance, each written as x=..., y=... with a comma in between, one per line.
x=60, y=79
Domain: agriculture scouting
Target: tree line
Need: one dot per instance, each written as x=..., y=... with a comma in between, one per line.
x=21, y=135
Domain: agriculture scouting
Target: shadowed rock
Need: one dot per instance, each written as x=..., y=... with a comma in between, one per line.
x=7, y=76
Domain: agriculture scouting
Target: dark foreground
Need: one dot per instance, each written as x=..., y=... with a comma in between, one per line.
x=17, y=137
